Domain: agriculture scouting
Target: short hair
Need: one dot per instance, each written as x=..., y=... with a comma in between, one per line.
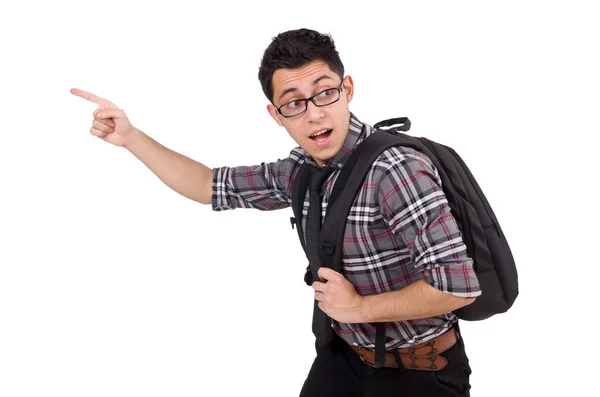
x=294, y=49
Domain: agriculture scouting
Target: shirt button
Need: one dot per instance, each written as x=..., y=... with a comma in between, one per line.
x=340, y=165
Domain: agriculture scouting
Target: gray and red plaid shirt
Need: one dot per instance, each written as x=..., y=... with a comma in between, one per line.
x=399, y=229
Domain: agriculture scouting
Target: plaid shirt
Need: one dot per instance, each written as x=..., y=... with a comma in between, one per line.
x=399, y=229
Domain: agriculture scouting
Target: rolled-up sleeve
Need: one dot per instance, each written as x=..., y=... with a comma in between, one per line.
x=265, y=186
x=415, y=208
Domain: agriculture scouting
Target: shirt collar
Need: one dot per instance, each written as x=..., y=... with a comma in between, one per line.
x=357, y=131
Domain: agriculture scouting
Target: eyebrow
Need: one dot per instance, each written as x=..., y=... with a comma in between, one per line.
x=292, y=89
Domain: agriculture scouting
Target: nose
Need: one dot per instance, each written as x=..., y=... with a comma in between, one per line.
x=313, y=112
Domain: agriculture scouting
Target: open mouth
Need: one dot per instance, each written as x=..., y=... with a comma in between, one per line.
x=321, y=136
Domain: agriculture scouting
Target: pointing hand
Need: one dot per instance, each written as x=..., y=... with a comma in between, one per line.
x=109, y=122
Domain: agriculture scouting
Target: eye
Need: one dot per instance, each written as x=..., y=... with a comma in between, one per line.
x=293, y=104
x=326, y=93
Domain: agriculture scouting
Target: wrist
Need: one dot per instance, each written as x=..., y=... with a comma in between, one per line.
x=364, y=308
x=132, y=138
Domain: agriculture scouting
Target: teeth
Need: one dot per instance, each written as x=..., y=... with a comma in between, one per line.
x=321, y=132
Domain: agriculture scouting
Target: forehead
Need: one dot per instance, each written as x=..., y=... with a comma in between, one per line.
x=301, y=78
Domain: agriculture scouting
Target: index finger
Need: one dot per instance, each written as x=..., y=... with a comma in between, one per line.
x=92, y=98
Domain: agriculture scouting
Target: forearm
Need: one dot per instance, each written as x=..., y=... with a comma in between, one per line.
x=187, y=177
x=418, y=300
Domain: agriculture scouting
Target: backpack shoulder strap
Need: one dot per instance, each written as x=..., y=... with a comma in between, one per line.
x=347, y=185
x=299, y=186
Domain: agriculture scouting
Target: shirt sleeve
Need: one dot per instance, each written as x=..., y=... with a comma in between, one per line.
x=265, y=186
x=415, y=208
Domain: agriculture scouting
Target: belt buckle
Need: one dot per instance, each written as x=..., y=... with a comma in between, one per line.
x=361, y=357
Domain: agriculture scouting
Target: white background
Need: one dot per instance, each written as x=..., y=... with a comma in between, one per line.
x=111, y=284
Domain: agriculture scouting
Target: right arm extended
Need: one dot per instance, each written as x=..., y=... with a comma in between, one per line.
x=265, y=186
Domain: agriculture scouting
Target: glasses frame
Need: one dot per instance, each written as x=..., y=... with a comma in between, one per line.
x=339, y=89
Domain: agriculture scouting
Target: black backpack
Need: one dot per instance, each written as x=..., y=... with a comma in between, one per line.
x=485, y=242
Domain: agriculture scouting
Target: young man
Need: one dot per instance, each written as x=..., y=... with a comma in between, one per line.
x=404, y=264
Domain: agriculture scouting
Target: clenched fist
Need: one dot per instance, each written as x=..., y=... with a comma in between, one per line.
x=338, y=298
x=109, y=122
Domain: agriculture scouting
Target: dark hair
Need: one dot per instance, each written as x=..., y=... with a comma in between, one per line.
x=294, y=49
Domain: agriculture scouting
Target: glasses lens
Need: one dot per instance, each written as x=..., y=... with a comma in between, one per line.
x=327, y=97
x=293, y=108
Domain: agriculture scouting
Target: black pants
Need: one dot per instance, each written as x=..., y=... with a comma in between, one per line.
x=339, y=371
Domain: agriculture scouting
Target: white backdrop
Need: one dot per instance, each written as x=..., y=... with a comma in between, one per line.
x=111, y=284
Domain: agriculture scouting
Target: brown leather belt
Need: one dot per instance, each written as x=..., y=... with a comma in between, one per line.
x=424, y=356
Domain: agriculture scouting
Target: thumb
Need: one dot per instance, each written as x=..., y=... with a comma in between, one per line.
x=329, y=274
x=109, y=114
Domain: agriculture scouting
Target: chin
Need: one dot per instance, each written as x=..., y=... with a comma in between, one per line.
x=324, y=156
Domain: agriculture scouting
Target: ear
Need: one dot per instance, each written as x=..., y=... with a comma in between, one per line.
x=349, y=88
x=273, y=112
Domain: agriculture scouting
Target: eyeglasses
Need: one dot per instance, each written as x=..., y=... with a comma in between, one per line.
x=299, y=106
